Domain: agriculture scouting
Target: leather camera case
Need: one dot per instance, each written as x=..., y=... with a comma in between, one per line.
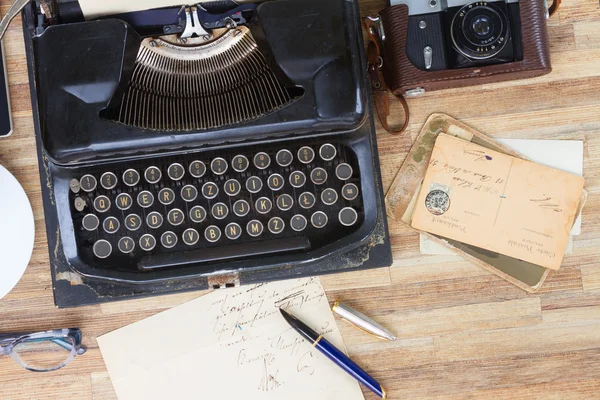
x=401, y=75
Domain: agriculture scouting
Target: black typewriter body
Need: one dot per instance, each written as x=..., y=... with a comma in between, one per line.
x=157, y=183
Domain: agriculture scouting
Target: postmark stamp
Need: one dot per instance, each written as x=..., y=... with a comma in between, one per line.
x=437, y=202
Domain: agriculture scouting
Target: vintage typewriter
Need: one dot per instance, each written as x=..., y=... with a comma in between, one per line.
x=203, y=146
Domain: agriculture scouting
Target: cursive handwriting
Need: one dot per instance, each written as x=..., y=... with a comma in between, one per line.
x=547, y=203
x=450, y=224
x=268, y=382
x=304, y=364
x=467, y=173
x=478, y=154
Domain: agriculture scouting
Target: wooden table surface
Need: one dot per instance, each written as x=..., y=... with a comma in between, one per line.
x=463, y=333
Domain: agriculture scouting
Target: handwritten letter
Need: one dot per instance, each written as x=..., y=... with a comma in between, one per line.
x=230, y=344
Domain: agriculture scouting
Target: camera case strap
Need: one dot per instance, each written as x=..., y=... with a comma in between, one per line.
x=379, y=88
x=390, y=70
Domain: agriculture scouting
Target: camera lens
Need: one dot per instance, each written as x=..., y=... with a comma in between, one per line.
x=482, y=27
x=480, y=30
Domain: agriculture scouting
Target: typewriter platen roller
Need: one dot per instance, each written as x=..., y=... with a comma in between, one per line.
x=204, y=146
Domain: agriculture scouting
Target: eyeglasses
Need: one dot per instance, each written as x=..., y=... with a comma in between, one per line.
x=43, y=351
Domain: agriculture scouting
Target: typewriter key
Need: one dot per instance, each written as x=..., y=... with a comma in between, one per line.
x=319, y=219
x=232, y=187
x=344, y=172
x=276, y=225
x=218, y=166
x=166, y=196
x=298, y=222
x=126, y=245
x=329, y=196
x=348, y=216
x=219, y=211
x=102, y=204
x=275, y=182
x=145, y=199
x=175, y=217
x=168, y=239
x=197, y=169
x=306, y=155
x=108, y=180
x=90, y=222
x=240, y=163
x=111, y=225
x=75, y=186
x=307, y=200
x=191, y=237
x=233, y=231
x=154, y=220
x=197, y=214
x=147, y=242
x=124, y=201
x=254, y=184
x=210, y=190
x=327, y=152
x=285, y=202
x=262, y=160
x=102, y=249
x=284, y=158
x=152, y=175
x=297, y=179
x=133, y=222
x=263, y=205
x=88, y=183
x=350, y=191
x=254, y=228
x=79, y=204
x=189, y=193
x=176, y=171
x=131, y=177
x=241, y=208
x=212, y=234
x=318, y=176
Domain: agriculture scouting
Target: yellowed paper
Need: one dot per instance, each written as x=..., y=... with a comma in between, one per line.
x=498, y=202
x=230, y=344
x=97, y=8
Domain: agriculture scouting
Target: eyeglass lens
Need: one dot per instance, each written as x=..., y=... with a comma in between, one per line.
x=45, y=354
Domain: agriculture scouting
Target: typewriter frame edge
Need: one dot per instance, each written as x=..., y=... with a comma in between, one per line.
x=71, y=289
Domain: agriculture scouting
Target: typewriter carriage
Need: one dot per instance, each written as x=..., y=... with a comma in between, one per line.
x=101, y=58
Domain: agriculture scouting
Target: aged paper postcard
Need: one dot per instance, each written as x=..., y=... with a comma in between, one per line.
x=231, y=345
x=497, y=202
x=566, y=155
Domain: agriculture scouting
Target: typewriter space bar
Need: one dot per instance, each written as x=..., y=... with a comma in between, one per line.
x=230, y=252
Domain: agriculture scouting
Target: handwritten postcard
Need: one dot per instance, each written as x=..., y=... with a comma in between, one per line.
x=498, y=202
x=230, y=344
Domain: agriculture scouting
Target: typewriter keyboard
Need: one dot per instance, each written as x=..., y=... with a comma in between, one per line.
x=214, y=206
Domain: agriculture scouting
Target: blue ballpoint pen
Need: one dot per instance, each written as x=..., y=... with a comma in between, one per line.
x=334, y=354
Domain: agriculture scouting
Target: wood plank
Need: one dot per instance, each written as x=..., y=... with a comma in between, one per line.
x=465, y=318
x=102, y=388
x=464, y=333
x=591, y=276
x=356, y=280
x=514, y=342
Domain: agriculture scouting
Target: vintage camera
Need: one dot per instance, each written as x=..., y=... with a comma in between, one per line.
x=450, y=34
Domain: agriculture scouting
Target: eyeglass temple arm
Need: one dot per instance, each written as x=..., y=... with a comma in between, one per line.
x=68, y=346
